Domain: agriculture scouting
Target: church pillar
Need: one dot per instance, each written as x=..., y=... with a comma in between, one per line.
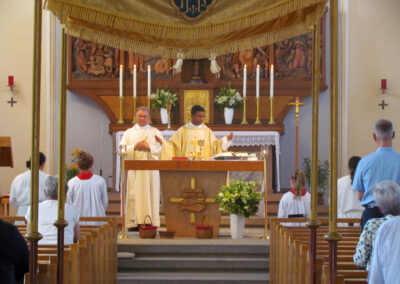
x=34, y=236
x=313, y=223
x=333, y=236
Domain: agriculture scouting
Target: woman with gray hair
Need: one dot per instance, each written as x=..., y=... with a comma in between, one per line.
x=387, y=196
x=48, y=214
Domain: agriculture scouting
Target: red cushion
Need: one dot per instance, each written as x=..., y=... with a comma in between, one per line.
x=202, y=227
x=147, y=227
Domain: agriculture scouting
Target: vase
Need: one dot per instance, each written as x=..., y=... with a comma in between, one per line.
x=164, y=115
x=237, y=226
x=228, y=115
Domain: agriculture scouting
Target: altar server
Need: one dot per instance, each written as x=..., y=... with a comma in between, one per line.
x=87, y=191
x=20, y=194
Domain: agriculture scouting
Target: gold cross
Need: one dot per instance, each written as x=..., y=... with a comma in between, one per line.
x=180, y=199
x=298, y=104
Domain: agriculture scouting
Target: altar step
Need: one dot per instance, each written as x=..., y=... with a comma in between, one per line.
x=194, y=261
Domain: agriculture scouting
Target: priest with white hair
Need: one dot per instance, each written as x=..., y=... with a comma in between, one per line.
x=143, y=187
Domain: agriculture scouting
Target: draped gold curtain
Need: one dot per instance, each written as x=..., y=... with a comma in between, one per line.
x=160, y=27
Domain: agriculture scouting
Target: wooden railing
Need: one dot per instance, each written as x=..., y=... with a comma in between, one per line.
x=93, y=259
x=290, y=259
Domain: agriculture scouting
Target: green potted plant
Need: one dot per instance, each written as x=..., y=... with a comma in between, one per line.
x=323, y=175
x=229, y=99
x=165, y=100
x=241, y=200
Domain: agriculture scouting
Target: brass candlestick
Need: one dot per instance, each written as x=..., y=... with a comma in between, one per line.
x=169, y=114
x=122, y=152
x=134, y=111
x=148, y=105
x=120, y=120
x=271, y=115
x=258, y=112
x=264, y=154
x=244, y=120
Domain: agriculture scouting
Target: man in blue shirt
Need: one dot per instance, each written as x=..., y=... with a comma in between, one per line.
x=384, y=164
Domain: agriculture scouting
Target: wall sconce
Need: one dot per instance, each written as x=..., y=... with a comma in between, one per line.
x=383, y=86
x=11, y=84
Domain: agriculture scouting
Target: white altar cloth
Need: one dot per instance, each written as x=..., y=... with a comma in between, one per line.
x=240, y=138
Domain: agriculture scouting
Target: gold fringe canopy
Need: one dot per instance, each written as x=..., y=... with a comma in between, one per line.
x=156, y=27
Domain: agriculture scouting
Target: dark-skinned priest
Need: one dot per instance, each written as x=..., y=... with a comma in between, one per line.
x=194, y=139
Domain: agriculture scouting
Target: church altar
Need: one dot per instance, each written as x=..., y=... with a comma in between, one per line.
x=240, y=138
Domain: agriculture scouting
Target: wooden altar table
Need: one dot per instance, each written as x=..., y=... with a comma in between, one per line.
x=189, y=187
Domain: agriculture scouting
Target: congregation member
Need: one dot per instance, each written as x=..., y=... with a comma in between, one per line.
x=386, y=261
x=87, y=191
x=48, y=214
x=387, y=197
x=296, y=202
x=184, y=142
x=384, y=164
x=20, y=193
x=143, y=187
x=347, y=198
x=14, y=254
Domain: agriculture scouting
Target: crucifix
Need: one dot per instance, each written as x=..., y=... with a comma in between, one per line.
x=12, y=102
x=383, y=104
x=298, y=104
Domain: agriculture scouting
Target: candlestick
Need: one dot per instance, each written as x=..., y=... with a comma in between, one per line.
x=148, y=80
x=148, y=106
x=244, y=80
x=120, y=120
x=121, y=74
x=258, y=112
x=271, y=113
x=134, y=81
x=271, y=84
x=258, y=82
x=244, y=120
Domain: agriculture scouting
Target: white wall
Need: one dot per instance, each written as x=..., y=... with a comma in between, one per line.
x=16, y=57
x=371, y=41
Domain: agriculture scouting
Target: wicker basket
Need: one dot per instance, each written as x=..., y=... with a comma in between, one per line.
x=167, y=234
x=147, y=231
x=204, y=231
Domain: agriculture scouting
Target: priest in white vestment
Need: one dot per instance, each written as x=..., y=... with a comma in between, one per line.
x=20, y=194
x=185, y=141
x=143, y=187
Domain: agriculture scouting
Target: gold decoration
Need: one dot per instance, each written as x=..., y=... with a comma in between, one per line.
x=196, y=97
x=244, y=120
x=258, y=112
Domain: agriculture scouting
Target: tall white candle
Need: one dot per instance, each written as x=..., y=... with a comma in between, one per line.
x=244, y=80
x=271, y=82
x=134, y=81
x=121, y=75
x=258, y=81
x=148, y=80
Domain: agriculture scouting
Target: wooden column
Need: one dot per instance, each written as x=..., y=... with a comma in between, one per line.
x=34, y=236
x=333, y=237
x=313, y=223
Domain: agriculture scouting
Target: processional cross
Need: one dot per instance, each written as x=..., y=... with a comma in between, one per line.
x=298, y=104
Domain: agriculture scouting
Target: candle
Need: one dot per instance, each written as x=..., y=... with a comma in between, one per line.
x=121, y=74
x=134, y=81
x=148, y=80
x=11, y=80
x=383, y=84
x=258, y=82
x=271, y=84
x=244, y=80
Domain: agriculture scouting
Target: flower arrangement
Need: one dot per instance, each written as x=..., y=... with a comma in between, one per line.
x=239, y=198
x=162, y=97
x=323, y=173
x=72, y=170
x=228, y=98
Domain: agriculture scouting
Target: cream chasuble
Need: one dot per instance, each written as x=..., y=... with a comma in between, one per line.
x=186, y=140
x=143, y=187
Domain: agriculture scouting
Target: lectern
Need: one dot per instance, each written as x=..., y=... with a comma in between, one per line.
x=188, y=190
x=5, y=152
